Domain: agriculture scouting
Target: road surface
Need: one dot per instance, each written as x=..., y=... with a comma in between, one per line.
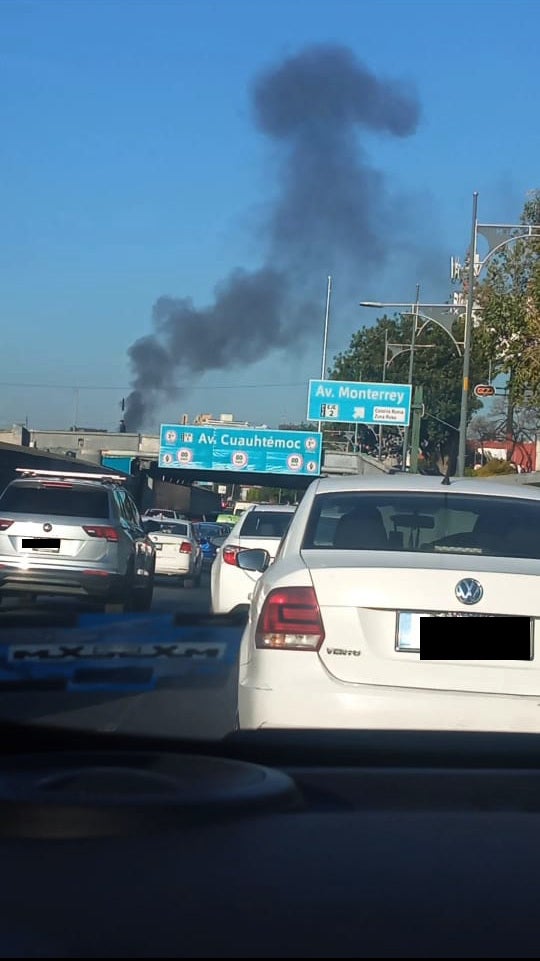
x=201, y=705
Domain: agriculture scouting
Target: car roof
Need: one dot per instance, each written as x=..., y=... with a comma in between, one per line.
x=169, y=521
x=168, y=524
x=37, y=482
x=421, y=482
x=29, y=475
x=285, y=508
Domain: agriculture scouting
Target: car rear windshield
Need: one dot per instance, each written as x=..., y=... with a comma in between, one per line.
x=266, y=524
x=211, y=530
x=57, y=501
x=437, y=523
x=166, y=527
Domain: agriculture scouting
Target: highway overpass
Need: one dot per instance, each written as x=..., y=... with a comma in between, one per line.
x=154, y=485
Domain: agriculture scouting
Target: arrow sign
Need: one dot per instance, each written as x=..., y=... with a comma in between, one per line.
x=361, y=403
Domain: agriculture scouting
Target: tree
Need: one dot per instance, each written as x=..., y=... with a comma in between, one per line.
x=437, y=367
x=509, y=325
x=517, y=426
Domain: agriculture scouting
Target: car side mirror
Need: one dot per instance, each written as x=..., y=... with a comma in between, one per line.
x=253, y=560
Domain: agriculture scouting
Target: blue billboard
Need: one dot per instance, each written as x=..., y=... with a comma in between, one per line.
x=119, y=462
x=224, y=448
x=353, y=402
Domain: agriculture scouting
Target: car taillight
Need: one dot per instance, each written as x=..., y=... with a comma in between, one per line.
x=96, y=530
x=230, y=554
x=290, y=620
x=185, y=547
x=4, y=524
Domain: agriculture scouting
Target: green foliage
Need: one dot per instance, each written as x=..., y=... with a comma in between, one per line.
x=509, y=297
x=437, y=367
x=505, y=340
x=271, y=495
x=493, y=468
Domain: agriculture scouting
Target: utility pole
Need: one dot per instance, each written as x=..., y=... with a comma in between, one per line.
x=325, y=334
x=410, y=378
x=462, y=446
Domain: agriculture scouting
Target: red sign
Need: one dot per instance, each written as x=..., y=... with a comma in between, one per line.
x=484, y=390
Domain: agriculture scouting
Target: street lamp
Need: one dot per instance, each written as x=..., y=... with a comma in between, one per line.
x=325, y=334
x=444, y=315
x=497, y=236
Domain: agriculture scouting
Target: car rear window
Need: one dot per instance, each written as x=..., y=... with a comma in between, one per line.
x=211, y=530
x=57, y=501
x=266, y=524
x=437, y=523
x=166, y=527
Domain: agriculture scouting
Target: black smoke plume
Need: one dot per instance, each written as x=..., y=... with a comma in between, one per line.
x=327, y=216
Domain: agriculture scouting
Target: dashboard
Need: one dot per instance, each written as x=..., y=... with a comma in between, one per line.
x=269, y=844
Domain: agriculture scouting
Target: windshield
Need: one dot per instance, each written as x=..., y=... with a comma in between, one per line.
x=58, y=501
x=270, y=393
x=265, y=524
x=432, y=522
x=166, y=527
x=212, y=530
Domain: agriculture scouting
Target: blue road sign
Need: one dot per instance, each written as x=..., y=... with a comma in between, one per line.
x=240, y=449
x=353, y=402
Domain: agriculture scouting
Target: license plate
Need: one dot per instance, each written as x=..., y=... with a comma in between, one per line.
x=41, y=544
x=408, y=626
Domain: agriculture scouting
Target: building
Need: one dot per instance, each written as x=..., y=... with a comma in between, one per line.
x=525, y=455
x=16, y=434
x=228, y=419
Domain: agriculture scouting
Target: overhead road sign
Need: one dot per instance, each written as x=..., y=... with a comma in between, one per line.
x=354, y=402
x=247, y=449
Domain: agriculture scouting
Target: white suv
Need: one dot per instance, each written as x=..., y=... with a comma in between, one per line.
x=261, y=526
x=71, y=534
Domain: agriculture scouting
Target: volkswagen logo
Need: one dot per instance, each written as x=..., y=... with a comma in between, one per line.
x=469, y=591
x=47, y=528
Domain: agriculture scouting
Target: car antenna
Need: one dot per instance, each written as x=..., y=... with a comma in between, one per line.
x=446, y=478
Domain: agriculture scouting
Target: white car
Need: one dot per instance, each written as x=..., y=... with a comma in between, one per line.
x=398, y=602
x=262, y=526
x=178, y=551
x=163, y=514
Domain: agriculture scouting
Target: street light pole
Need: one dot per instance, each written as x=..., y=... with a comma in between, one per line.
x=385, y=361
x=326, y=320
x=325, y=334
x=462, y=443
x=443, y=315
x=497, y=236
x=410, y=378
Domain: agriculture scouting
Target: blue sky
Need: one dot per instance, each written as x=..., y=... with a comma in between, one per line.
x=132, y=168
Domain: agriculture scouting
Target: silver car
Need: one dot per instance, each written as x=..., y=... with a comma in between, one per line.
x=76, y=535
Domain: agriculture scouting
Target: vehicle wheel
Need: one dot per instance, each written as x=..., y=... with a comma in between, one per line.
x=142, y=600
x=121, y=601
x=196, y=582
